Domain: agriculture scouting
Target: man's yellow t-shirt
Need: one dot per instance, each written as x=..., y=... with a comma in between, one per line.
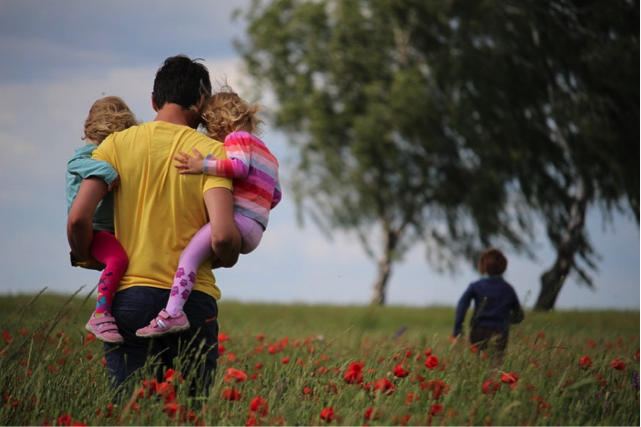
x=157, y=210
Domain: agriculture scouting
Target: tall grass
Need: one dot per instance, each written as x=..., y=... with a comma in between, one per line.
x=296, y=356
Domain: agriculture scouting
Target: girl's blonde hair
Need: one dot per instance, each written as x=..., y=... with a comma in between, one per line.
x=226, y=112
x=106, y=116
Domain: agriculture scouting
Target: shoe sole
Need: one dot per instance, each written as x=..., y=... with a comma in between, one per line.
x=99, y=338
x=173, y=330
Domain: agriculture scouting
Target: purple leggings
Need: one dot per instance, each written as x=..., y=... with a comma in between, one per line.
x=198, y=250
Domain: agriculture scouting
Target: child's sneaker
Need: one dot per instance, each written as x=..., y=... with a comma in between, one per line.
x=104, y=328
x=164, y=324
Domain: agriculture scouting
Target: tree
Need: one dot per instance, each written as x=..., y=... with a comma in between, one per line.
x=562, y=75
x=452, y=123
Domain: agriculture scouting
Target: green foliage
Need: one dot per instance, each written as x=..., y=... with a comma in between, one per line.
x=453, y=124
x=295, y=357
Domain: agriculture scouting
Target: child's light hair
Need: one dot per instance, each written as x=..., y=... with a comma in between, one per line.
x=492, y=262
x=226, y=112
x=106, y=116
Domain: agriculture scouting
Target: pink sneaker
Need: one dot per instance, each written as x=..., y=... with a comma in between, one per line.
x=104, y=328
x=164, y=324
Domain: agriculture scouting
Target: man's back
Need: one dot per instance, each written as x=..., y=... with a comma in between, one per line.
x=158, y=210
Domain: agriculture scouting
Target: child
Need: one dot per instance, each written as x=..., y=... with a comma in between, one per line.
x=256, y=191
x=107, y=115
x=495, y=304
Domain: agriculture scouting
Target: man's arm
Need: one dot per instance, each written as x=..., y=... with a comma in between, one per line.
x=80, y=221
x=225, y=238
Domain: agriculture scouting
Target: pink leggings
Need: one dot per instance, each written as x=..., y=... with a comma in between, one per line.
x=198, y=250
x=107, y=249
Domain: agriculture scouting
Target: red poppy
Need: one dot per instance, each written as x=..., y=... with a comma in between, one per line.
x=490, y=387
x=236, y=375
x=354, y=374
x=400, y=372
x=260, y=406
x=222, y=337
x=428, y=352
x=371, y=414
x=384, y=386
x=618, y=364
x=327, y=414
x=231, y=394
x=437, y=387
x=285, y=360
x=171, y=408
x=585, y=362
x=436, y=410
x=251, y=421
x=65, y=420
x=509, y=378
x=410, y=398
x=170, y=375
x=431, y=362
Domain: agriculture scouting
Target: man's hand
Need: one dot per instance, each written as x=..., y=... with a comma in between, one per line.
x=188, y=164
x=90, y=264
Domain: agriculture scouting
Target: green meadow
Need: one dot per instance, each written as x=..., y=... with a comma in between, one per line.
x=329, y=365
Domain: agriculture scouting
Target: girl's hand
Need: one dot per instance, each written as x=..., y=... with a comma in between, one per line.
x=188, y=164
x=114, y=184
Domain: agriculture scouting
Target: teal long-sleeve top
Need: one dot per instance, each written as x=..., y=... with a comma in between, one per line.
x=82, y=166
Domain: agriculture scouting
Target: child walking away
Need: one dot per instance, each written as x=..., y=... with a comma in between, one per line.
x=106, y=116
x=254, y=170
x=495, y=305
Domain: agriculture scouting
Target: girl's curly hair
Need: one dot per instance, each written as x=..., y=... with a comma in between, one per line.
x=492, y=262
x=106, y=116
x=226, y=112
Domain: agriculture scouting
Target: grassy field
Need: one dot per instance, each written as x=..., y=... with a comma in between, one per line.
x=326, y=365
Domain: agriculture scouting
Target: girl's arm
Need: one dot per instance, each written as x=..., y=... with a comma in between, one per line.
x=88, y=167
x=278, y=195
x=237, y=166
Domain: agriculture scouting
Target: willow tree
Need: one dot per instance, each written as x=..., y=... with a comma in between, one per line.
x=371, y=127
x=451, y=124
x=553, y=86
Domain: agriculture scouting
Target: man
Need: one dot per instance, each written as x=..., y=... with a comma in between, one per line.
x=157, y=211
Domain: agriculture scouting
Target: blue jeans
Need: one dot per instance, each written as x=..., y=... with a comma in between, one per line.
x=134, y=308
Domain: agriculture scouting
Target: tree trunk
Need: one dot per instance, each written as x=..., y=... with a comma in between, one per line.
x=384, y=268
x=380, y=286
x=552, y=280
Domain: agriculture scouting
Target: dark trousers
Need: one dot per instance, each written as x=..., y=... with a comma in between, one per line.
x=481, y=337
x=134, y=308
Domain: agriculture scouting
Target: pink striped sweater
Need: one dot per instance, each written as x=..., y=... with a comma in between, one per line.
x=254, y=170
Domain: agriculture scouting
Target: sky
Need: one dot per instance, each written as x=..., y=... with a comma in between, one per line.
x=59, y=57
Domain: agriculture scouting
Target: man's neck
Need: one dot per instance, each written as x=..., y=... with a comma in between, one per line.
x=175, y=114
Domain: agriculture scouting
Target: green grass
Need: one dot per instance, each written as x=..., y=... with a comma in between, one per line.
x=295, y=357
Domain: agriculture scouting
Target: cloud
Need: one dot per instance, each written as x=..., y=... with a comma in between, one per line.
x=59, y=57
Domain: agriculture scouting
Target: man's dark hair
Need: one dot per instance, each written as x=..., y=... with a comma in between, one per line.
x=181, y=80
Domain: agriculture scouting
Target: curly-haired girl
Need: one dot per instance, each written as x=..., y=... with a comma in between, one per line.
x=106, y=116
x=253, y=168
